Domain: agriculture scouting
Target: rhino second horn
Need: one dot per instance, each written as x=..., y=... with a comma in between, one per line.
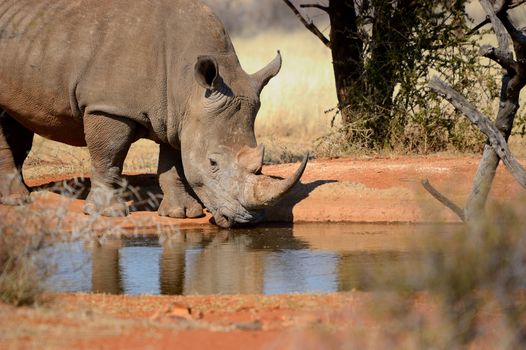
x=262, y=191
x=263, y=76
x=251, y=159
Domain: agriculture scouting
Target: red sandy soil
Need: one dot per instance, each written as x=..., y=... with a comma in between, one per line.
x=365, y=190
x=330, y=321
x=386, y=190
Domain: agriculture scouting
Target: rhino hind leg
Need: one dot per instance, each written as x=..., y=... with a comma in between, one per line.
x=108, y=139
x=179, y=201
x=15, y=144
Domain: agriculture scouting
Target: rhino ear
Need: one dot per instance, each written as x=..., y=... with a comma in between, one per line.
x=262, y=77
x=206, y=72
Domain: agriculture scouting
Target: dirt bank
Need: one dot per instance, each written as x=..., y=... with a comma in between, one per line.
x=335, y=190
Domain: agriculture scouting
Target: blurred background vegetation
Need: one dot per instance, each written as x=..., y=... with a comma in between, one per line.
x=392, y=110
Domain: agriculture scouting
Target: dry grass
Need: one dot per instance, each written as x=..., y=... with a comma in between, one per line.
x=292, y=115
x=294, y=102
x=49, y=158
x=24, y=234
x=19, y=276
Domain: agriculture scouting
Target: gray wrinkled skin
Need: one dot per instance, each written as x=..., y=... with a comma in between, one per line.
x=103, y=74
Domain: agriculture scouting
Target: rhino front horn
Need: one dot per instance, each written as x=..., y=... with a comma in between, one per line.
x=262, y=191
x=262, y=77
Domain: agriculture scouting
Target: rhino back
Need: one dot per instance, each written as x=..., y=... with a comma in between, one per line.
x=62, y=58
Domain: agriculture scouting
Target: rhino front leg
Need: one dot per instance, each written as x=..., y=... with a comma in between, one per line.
x=15, y=143
x=177, y=201
x=108, y=139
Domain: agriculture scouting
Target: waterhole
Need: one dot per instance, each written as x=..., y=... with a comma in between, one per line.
x=303, y=258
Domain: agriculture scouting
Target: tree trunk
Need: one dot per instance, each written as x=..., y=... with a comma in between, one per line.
x=347, y=57
x=365, y=87
x=391, y=29
x=381, y=70
x=374, y=44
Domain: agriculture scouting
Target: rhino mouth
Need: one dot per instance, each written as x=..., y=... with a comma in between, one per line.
x=227, y=216
x=247, y=217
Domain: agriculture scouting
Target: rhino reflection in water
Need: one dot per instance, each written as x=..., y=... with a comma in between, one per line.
x=261, y=260
x=214, y=268
x=194, y=263
x=105, y=276
x=104, y=74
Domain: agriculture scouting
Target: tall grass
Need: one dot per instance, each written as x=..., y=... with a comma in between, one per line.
x=19, y=275
x=49, y=158
x=23, y=235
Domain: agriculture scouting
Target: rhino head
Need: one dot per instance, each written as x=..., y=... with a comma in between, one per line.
x=221, y=160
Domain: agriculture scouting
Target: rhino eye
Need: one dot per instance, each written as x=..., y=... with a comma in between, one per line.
x=213, y=164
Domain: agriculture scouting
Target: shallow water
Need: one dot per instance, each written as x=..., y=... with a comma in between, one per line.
x=304, y=258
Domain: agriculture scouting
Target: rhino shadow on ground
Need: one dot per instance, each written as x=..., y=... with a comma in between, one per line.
x=283, y=211
x=145, y=194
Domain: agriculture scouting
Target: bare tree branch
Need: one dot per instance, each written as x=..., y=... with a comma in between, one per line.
x=317, y=6
x=510, y=4
x=443, y=199
x=478, y=26
x=513, y=80
x=308, y=24
x=487, y=169
x=498, y=27
x=482, y=182
x=518, y=36
x=498, y=8
x=502, y=58
x=495, y=137
x=509, y=102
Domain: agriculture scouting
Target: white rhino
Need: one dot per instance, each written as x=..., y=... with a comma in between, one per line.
x=105, y=73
